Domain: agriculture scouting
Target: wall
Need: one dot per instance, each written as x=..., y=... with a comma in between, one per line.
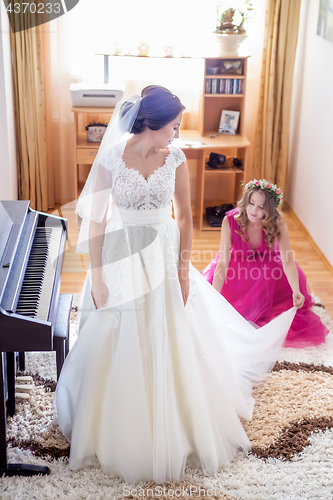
x=310, y=186
x=8, y=171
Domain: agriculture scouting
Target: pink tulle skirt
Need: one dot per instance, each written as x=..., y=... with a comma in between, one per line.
x=259, y=291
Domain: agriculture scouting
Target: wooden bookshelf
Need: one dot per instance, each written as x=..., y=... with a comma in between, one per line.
x=215, y=187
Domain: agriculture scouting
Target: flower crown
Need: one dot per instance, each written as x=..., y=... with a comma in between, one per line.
x=267, y=186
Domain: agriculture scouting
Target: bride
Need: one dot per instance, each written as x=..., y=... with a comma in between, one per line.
x=163, y=366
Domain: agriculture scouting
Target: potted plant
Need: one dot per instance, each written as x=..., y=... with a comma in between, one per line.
x=230, y=31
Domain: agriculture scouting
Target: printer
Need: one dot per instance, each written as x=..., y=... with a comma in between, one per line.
x=96, y=95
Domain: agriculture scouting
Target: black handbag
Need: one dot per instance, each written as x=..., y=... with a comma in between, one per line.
x=215, y=215
x=216, y=161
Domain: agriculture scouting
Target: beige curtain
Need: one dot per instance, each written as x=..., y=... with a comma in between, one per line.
x=272, y=131
x=60, y=133
x=29, y=105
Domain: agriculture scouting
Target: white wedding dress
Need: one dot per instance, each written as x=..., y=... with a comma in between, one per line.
x=151, y=385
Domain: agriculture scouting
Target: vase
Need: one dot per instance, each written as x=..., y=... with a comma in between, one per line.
x=228, y=43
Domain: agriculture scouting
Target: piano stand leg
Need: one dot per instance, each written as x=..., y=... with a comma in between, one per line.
x=22, y=361
x=12, y=469
x=11, y=373
x=24, y=470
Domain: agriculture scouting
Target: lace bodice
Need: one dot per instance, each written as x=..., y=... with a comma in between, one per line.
x=132, y=191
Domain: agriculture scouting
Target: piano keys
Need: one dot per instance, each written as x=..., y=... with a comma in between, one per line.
x=32, y=246
x=30, y=272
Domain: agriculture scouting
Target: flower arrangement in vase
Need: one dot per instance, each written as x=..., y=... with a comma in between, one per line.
x=231, y=34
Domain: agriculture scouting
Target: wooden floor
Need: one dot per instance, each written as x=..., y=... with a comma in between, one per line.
x=204, y=247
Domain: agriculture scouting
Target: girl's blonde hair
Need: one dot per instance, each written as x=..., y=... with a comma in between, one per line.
x=271, y=218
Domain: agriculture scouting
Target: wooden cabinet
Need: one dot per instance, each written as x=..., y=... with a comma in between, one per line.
x=215, y=187
x=223, y=91
x=85, y=152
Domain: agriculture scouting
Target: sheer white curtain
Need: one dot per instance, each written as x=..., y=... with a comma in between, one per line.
x=72, y=41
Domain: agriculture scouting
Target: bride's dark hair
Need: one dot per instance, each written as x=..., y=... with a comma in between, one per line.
x=158, y=108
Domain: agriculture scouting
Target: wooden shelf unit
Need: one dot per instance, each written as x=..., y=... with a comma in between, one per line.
x=85, y=152
x=215, y=187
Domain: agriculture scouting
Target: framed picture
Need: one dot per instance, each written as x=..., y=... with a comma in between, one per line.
x=229, y=122
x=325, y=20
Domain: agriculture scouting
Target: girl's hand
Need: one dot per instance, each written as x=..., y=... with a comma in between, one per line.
x=99, y=293
x=184, y=281
x=298, y=299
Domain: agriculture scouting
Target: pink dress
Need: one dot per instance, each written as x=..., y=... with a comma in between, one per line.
x=257, y=287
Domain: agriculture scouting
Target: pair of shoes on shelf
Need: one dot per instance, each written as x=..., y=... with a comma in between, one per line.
x=215, y=215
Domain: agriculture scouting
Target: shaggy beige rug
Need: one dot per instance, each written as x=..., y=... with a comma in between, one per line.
x=291, y=434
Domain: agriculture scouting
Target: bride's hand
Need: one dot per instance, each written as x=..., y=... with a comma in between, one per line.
x=99, y=293
x=184, y=281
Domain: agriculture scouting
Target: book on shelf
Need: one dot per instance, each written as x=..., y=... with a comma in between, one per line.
x=224, y=86
x=208, y=86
